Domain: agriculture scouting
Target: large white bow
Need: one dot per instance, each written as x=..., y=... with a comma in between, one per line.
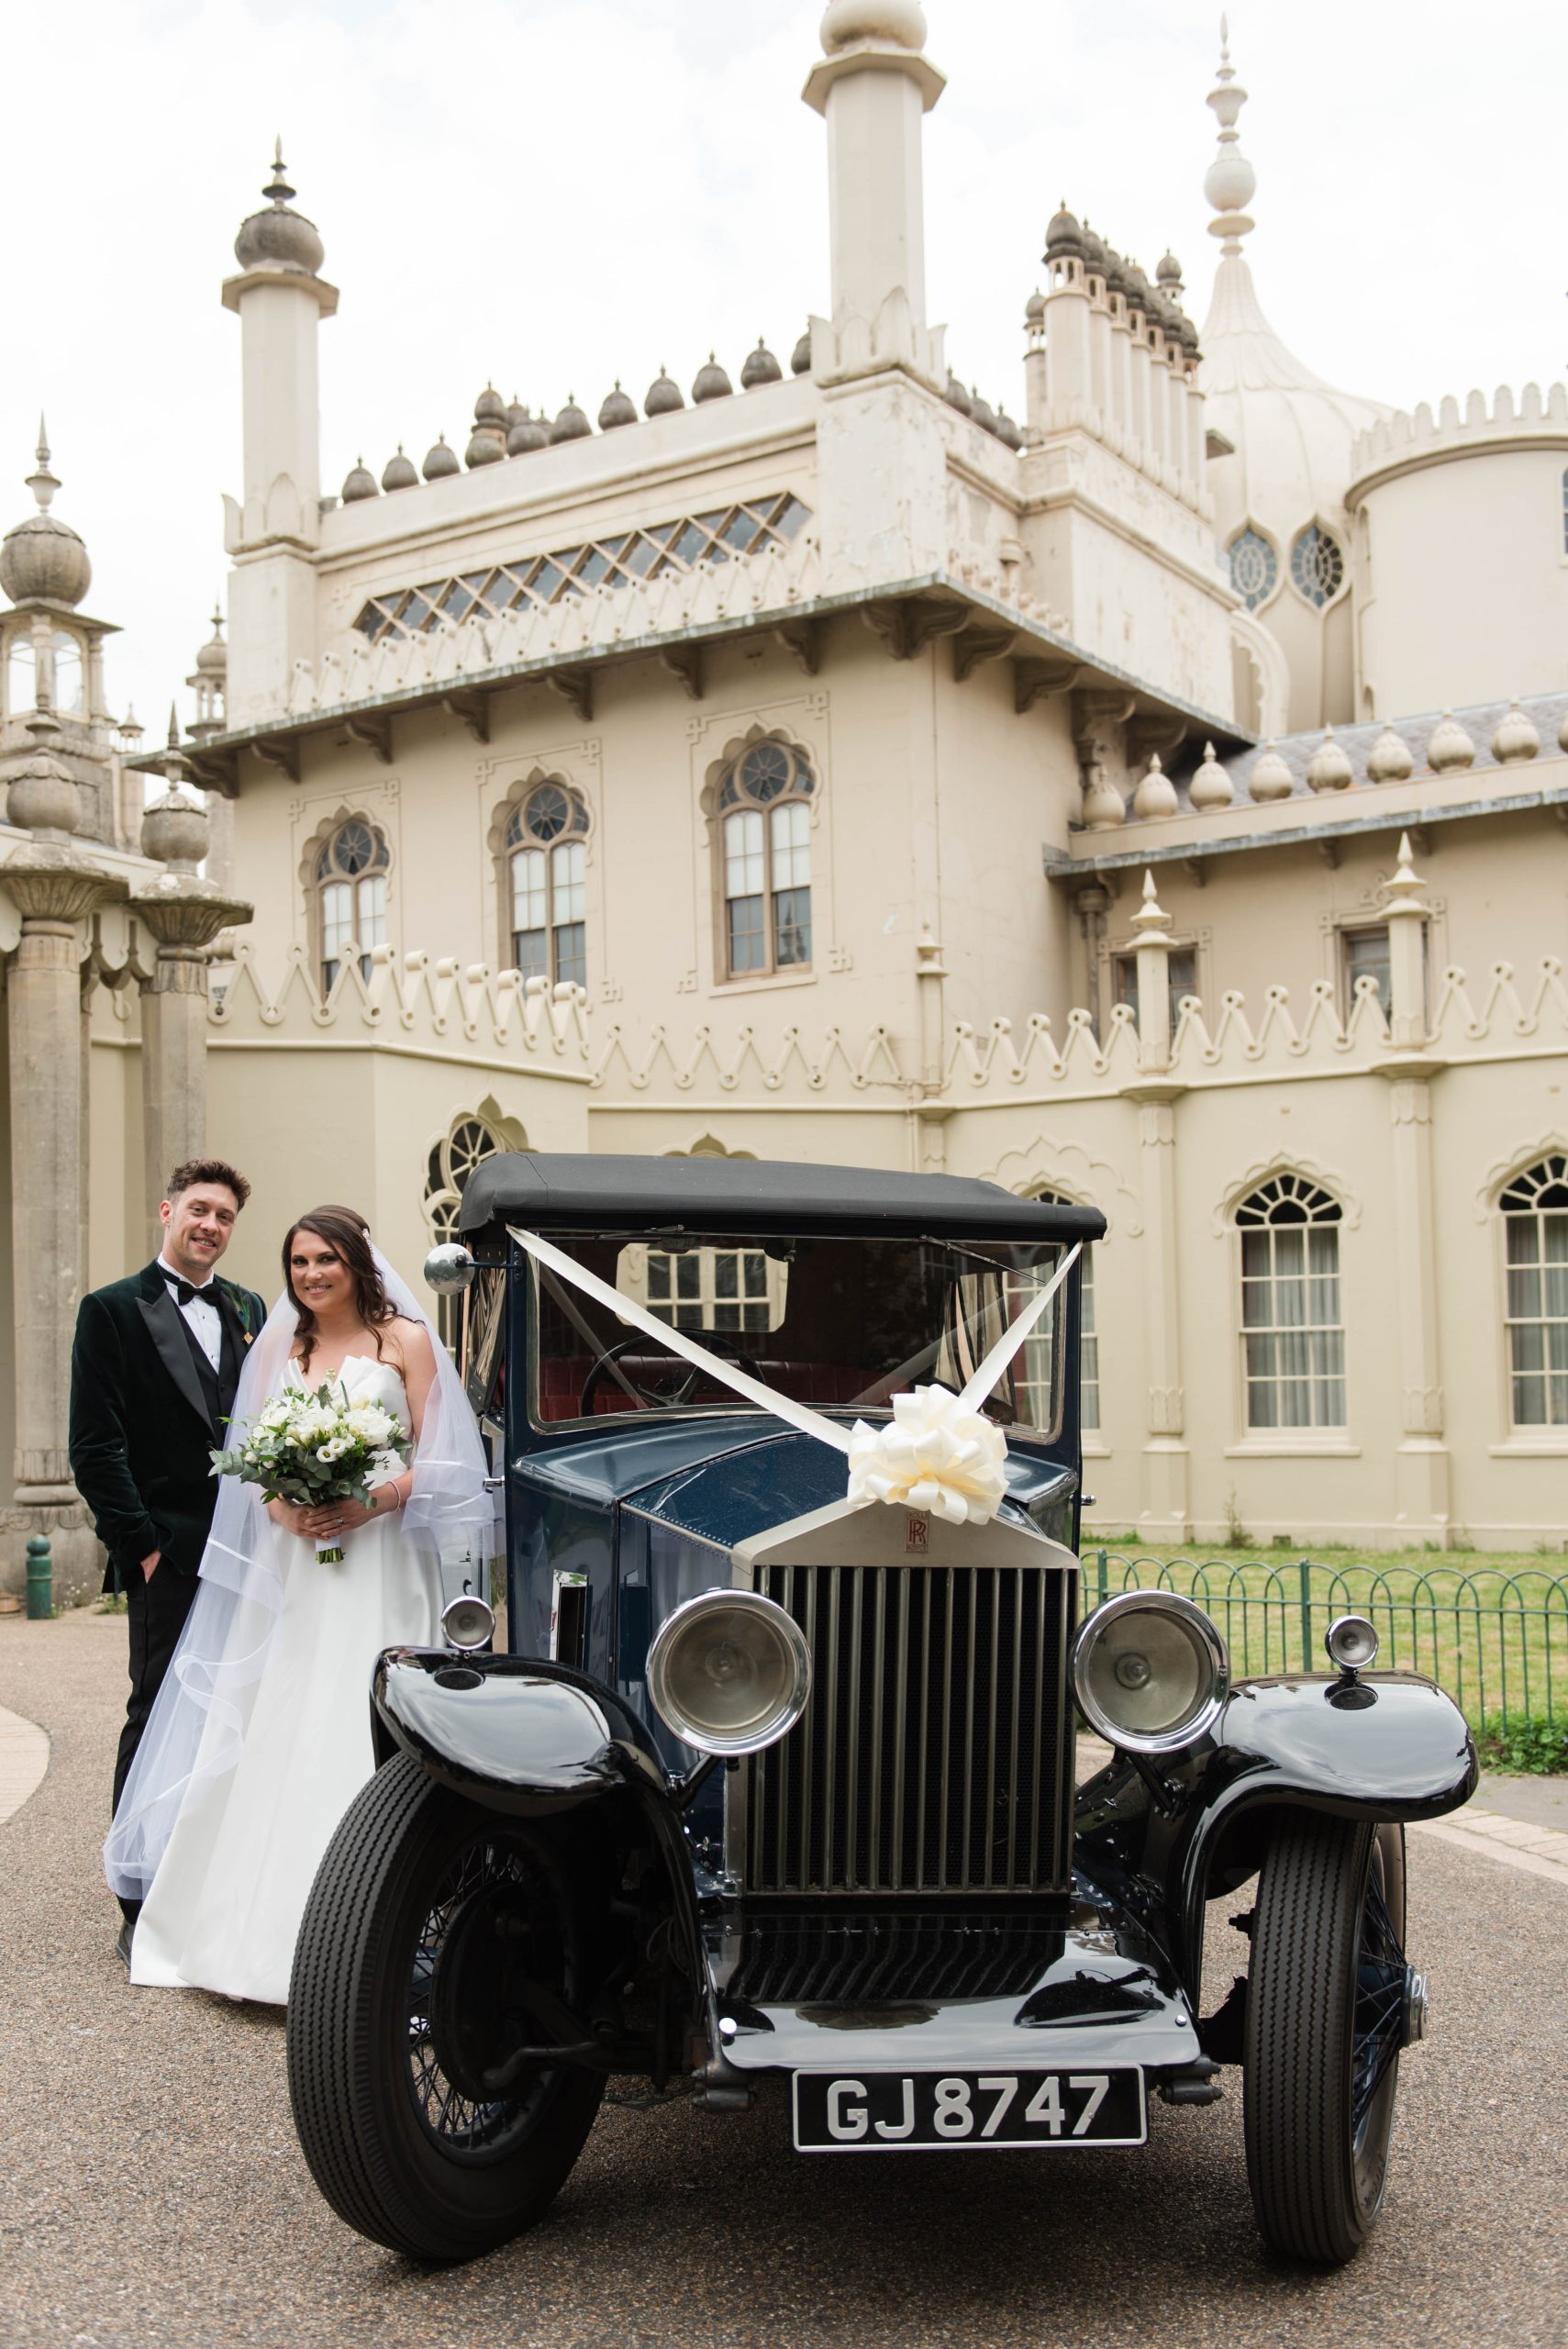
x=938, y=1453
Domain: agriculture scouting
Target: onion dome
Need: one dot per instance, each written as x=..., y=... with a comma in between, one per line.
x=1271, y=778
x=276, y=238
x=1140, y=296
x=212, y=661
x=1515, y=738
x=441, y=461
x=43, y=556
x=901, y=22
x=1007, y=431
x=528, y=432
x=956, y=396
x=760, y=367
x=1095, y=257
x=1065, y=238
x=488, y=444
x=1389, y=759
x=360, y=482
x=1034, y=312
x=800, y=357
x=1116, y=272
x=1210, y=786
x=982, y=413
x=665, y=395
x=1329, y=769
x=516, y=412
x=1168, y=272
x=1188, y=333
x=1451, y=747
x=617, y=409
x=400, y=472
x=1156, y=794
x=571, y=424
x=712, y=382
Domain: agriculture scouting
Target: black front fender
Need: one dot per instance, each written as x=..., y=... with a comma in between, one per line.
x=1388, y=1746
x=512, y=1732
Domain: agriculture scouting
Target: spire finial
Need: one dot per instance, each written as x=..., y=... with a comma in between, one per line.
x=41, y=482
x=173, y=728
x=1231, y=180
x=1152, y=920
x=278, y=187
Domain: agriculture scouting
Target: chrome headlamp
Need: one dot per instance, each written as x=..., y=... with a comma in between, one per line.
x=468, y=1624
x=1149, y=1671
x=729, y=1672
x=1352, y=1642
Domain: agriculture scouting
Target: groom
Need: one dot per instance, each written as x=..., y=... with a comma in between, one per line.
x=153, y=1372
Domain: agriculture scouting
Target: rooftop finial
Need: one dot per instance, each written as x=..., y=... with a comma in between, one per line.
x=173, y=728
x=1231, y=180
x=278, y=187
x=42, y=483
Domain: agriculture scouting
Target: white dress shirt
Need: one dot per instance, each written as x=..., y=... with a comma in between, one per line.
x=200, y=1314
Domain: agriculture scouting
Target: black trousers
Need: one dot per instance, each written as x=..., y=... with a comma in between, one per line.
x=158, y=1610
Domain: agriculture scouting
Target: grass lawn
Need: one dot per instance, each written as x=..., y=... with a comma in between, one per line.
x=1490, y=1626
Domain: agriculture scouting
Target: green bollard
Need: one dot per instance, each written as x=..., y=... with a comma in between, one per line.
x=40, y=1579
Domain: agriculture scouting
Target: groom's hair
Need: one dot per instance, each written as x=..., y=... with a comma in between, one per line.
x=207, y=1170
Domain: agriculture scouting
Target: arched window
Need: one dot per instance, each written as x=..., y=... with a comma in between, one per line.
x=545, y=844
x=1035, y=1405
x=65, y=659
x=1293, y=1335
x=1316, y=566
x=350, y=884
x=466, y=1145
x=1535, y=1222
x=764, y=801
x=1254, y=567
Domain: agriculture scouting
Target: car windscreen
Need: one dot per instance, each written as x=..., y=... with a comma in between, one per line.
x=838, y=1324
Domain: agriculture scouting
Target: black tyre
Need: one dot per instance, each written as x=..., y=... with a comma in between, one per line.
x=1326, y=2007
x=433, y=1931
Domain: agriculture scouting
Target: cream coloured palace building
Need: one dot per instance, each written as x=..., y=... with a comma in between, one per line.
x=1157, y=801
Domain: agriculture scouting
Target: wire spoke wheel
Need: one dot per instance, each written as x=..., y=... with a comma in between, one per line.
x=438, y=1941
x=1326, y=2020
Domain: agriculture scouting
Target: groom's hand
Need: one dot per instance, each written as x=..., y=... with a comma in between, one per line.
x=149, y=1565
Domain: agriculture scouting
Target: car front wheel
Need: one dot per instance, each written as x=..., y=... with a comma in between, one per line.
x=1327, y=2014
x=438, y=1941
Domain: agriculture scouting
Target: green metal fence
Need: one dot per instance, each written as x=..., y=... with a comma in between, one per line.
x=1497, y=1642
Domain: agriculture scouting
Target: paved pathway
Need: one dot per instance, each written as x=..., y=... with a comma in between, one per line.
x=152, y=2195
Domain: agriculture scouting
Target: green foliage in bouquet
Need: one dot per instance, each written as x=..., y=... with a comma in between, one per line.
x=313, y=1448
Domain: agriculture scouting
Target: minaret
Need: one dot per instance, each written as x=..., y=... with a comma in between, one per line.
x=874, y=87
x=273, y=530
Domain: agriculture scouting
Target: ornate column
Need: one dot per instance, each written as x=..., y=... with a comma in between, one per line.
x=184, y=914
x=1423, y=1499
x=1167, y=1504
x=54, y=888
x=932, y=1110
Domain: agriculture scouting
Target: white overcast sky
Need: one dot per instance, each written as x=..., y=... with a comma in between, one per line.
x=548, y=193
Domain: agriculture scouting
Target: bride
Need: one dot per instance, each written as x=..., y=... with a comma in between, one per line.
x=261, y=1736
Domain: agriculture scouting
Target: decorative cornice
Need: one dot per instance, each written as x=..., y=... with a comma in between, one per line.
x=57, y=885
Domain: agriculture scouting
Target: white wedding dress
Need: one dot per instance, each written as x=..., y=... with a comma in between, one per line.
x=225, y=1906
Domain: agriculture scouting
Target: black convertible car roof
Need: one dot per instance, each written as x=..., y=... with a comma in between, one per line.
x=556, y=1191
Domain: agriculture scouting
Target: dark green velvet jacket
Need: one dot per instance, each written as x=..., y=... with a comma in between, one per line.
x=141, y=1430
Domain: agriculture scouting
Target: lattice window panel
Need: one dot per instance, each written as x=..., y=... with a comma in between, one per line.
x=688, y=543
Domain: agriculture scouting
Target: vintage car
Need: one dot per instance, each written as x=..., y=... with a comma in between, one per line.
x=775, y=1780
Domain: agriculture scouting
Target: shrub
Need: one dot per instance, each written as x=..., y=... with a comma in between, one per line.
x=1524, y=1741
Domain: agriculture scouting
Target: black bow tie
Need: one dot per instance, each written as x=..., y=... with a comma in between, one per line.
x=185, y=1290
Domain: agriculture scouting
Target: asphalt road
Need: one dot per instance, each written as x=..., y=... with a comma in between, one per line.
x=153, y=2196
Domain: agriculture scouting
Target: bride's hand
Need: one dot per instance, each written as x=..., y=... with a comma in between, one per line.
x=332, y=1517
x=289, y=1515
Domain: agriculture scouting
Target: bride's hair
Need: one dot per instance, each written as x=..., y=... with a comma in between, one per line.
x=345, y=1235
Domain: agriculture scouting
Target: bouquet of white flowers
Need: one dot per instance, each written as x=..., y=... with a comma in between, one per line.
x=312, y=1449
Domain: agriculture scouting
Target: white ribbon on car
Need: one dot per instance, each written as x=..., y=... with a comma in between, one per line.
x=937, y=1453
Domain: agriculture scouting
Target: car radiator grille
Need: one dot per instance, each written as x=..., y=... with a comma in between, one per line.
x=932, y=1756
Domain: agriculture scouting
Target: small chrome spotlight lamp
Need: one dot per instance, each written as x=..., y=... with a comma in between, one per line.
x=448, y=1269
x=468, y=1624
x=1351, y=1642
x=729, y=1672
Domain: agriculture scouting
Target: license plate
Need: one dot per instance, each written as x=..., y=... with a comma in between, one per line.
x=890, y=2112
